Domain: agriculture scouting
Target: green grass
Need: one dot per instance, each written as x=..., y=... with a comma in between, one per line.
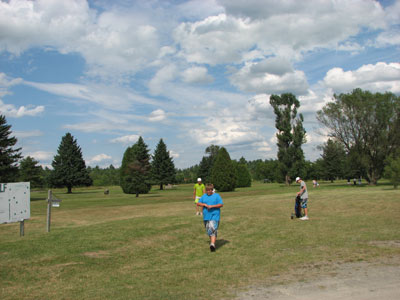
x=118, y=246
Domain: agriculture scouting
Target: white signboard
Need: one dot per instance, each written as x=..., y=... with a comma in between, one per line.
x=15, y=204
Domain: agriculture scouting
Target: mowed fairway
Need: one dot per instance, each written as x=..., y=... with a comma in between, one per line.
x=118, y=246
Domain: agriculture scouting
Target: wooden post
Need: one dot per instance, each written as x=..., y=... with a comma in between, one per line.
x=49, y=199
x=21, y=228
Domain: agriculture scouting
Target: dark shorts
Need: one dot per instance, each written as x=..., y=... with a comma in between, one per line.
x=211, y=227
x=304, y=203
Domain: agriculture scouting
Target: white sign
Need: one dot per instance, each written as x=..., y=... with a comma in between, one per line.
x=15, y=204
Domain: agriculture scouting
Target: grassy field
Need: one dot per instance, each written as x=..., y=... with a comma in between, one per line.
x=118, y=246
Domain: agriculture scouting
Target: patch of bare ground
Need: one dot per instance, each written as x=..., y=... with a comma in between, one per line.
x=97, y=254
x=363, y=280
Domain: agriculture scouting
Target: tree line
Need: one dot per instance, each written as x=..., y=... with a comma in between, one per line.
x=364, y=139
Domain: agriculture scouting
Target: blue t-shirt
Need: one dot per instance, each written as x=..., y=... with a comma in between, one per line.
x=213, y=213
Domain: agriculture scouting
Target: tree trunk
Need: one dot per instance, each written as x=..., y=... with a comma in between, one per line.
x=69, y=189
x=287, y=180
x=137, y=194
x=161, y=186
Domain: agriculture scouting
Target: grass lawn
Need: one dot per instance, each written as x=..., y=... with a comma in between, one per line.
x=118, y=246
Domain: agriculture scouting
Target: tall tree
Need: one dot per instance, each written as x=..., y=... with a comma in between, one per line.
x=207, y=163
x=29, y=170
x=162, y=167
x=69, y=168
x=368, y=126
x=223, y=172
x=136, y=169
x=243, y=177
x=392, y=169
x=333, y=160
x=9, y=156
x=290, y=135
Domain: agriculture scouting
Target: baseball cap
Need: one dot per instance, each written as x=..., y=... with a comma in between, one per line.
x=297, y=179
x=199, y=179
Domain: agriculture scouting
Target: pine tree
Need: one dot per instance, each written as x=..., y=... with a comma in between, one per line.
x=207, y=163
x=223, y=173
x=243, y=177
x=162, y=167
x=9, y=156
x=30, y=171
x=69, y=168
x=135, y=169
x=291, y=135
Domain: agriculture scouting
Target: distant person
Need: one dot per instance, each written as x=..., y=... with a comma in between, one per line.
x=199, y=190
x=303, y=193
x=211, y=203
x=315, y=183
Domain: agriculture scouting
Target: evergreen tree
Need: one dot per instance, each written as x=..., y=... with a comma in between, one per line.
x=29, y=171
x=162, y=167
x=207, y=163
x=223, y=172
x=243, y=177
x=9, y=156
x=69, y=168
x=291, y=135
x=334, y=159
x=135, y=169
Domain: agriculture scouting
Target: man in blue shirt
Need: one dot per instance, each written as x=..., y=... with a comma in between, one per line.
x=211, y=203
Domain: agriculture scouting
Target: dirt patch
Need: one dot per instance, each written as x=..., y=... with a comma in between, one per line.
x=386, y=244
x=356, y=281
x=97, y=254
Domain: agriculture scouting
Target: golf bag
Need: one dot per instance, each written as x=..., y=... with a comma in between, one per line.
x=297, y=208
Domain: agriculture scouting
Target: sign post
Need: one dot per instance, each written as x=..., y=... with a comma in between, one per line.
x=15, y=205
x=51, y=202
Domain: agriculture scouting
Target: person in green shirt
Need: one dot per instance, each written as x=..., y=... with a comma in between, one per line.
x=199, y=190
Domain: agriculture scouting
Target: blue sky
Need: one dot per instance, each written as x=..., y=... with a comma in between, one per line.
x=194, y=73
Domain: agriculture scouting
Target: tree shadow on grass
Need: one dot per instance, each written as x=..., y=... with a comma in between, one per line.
x=221, y=243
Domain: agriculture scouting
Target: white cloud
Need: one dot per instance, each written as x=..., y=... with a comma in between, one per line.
x=272, y=76
x=157, y=115
x=127, y=139
x=174, y=154
x=380, y=77
x=165, y=74
x=112, y=42
x=197, y=75
x=98, y=158
x=41, y=155
x=10, y=110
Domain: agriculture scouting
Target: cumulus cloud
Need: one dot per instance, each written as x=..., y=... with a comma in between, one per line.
x=271, y=76
x=283, y=28
x=380, y=77
x=126, y=139
x=27, y=134
x=110, y=41
x=197, y=75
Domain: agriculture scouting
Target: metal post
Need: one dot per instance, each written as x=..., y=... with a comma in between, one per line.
x=21, y=228
x=49, y=199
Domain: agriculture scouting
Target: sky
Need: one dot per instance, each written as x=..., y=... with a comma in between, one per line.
x=193, y=73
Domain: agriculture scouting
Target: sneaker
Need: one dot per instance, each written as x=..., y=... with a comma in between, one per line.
x=212, y=247
x=304, y=218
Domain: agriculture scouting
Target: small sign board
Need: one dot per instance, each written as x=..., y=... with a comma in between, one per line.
x=15, y=203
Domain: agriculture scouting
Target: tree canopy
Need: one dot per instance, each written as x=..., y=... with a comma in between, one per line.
x=367, y=125
x=29, y=170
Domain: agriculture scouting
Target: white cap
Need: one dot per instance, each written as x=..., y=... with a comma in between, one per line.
x=297, y=179
x=199, y=179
